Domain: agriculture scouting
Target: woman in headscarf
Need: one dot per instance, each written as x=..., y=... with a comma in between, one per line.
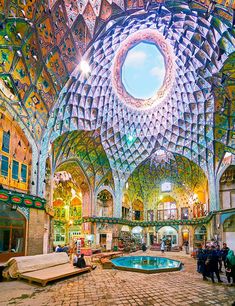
x=230, y=267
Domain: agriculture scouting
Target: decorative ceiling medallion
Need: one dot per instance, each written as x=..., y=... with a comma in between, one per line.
x=161, y=95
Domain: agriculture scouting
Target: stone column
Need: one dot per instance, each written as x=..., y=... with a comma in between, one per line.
x=86, y=202
x=119, y=185
x=213, y=191
x=34, y=177
x=148, y=239
x=145, y=211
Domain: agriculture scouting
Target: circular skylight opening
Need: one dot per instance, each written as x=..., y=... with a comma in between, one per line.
x=143, y=70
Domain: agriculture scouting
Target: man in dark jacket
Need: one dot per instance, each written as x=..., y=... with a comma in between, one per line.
x=224, y=253
x=213, y=264
x=82, y=264
x=219, y=254
x=201, y=263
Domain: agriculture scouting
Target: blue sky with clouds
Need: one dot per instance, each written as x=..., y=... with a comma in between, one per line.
x=143, y=70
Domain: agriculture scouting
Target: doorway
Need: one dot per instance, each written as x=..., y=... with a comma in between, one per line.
x=12, y=233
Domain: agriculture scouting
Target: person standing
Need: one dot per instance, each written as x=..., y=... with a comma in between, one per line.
x=224, y=253
x=212, y=264
x=162, y=246
x=144, y=248
x=230, y=267
x=186, y=244
x=201, y=263
x=219, y=254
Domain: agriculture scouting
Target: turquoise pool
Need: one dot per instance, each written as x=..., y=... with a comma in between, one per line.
x=146, y=264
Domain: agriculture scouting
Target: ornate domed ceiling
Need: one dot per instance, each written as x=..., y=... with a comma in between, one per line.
x=188, y=122
x=42, y=42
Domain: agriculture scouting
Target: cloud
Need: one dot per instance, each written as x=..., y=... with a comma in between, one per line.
x=158, y=71
x=135, y=58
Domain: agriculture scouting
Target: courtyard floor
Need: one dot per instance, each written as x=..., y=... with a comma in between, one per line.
x=115, y=287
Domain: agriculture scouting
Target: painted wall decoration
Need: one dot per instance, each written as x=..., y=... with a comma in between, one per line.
x=21, y=199
x=15, y=155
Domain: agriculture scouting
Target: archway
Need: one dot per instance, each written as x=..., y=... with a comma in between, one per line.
x=200, y=236
x=227, y=188
x=185, y=234
x=170, y=186
x=229, y=232
x=104, y=204
x=12, y=233
x=138, y=210
x=138, y=234
x=70, y=200
x=168, y=234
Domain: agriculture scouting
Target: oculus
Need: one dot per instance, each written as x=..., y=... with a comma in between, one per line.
x=143, y=70
x=161, y=89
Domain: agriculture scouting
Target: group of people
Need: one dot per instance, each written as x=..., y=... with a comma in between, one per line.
x=211, y=259
x=64, y=248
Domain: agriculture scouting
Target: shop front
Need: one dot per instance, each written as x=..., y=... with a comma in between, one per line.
x=12, y=232
x=169, y=234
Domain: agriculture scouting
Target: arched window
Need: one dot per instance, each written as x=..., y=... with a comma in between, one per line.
x=167, y=211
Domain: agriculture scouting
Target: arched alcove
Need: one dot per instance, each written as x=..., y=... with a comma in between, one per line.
x=200, y=235
x=229, y=231
x=137, y=210
x=71, y=201
x=171, y=183
x=169, y=234
x=104, y=203
x=227, y=188
x=12, y=232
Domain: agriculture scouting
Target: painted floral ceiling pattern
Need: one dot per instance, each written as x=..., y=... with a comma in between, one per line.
x=87, y=153
x=41, y=42
x=185, y=176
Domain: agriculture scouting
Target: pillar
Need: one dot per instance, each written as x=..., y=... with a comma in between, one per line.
x=119, y=185
x=86, y=203
x=148, y=239
x=213, y=190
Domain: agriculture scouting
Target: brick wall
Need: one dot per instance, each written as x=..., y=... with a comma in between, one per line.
x=36, y=232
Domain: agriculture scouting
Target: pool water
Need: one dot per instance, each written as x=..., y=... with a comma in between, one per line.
x=148, y=264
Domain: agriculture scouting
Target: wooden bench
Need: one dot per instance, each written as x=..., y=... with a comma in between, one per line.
x=41, y=268
x=53, y=273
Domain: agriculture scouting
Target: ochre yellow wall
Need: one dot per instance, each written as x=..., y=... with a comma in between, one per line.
x=19, y=152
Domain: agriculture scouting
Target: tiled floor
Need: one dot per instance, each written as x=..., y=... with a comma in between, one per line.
x=113, y=287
